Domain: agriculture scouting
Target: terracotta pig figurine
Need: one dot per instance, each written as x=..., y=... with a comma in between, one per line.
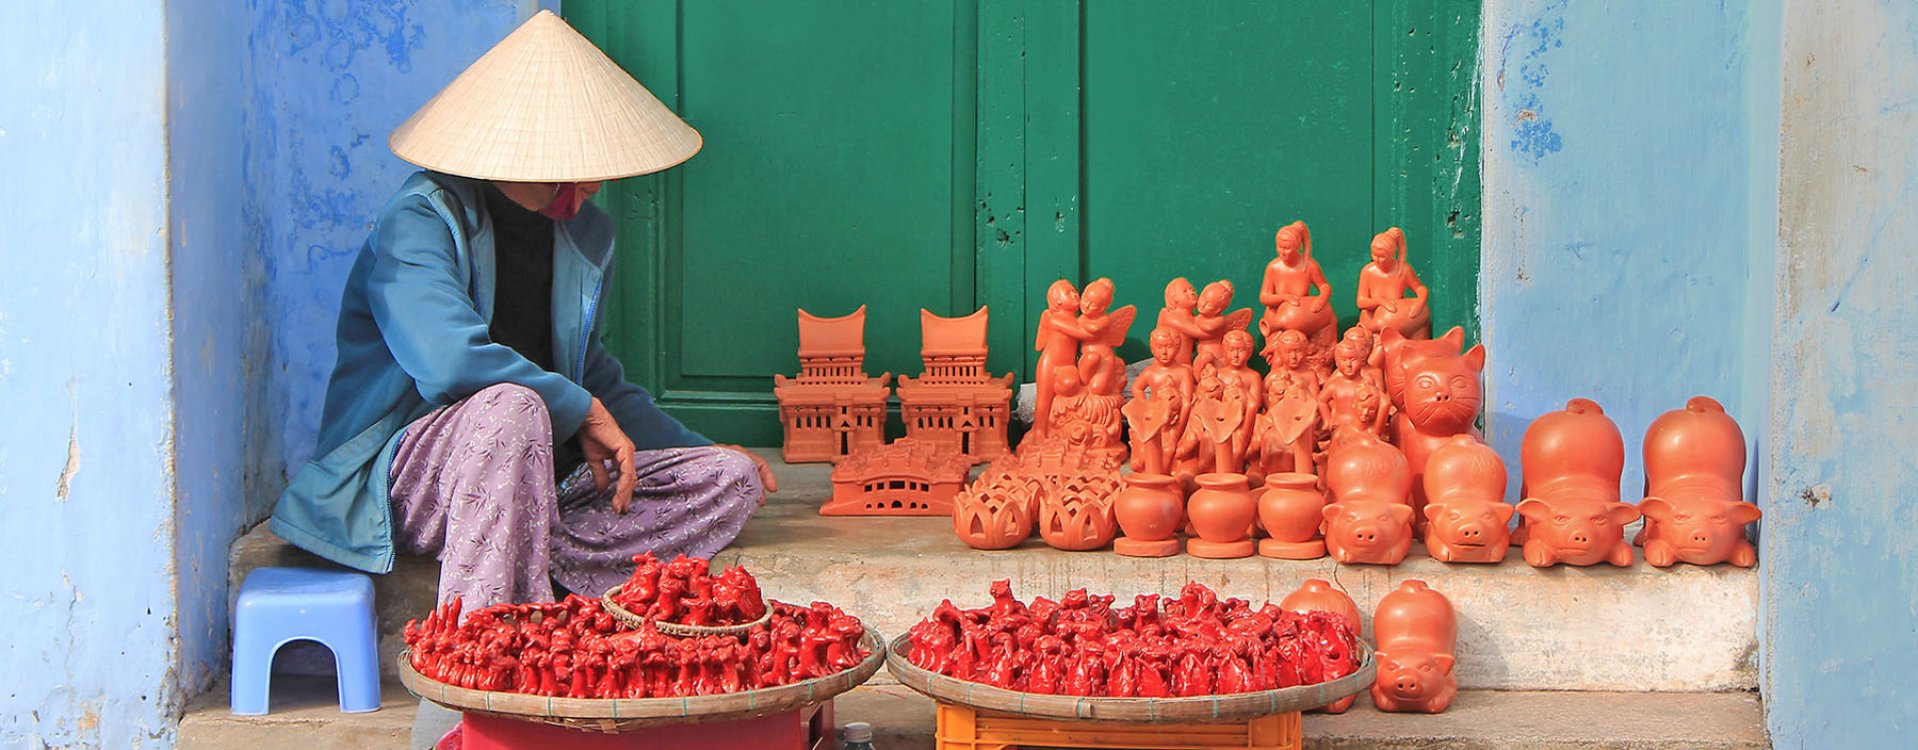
x=1694, y=489
x=1570, y=462
x=1439, y=400
x=1370, y=484
x=1416, y=631
x=1465, y=495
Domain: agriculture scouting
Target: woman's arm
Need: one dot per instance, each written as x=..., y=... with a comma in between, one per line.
x=648, y=426
x=429, y=322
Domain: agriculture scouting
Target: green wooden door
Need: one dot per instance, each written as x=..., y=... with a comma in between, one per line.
x=950, y=154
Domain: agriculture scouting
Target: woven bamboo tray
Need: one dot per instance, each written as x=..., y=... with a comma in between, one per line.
x=615, y=715
x=635, y=622
x=1200, y=709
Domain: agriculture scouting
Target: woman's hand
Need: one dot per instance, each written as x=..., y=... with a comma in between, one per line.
x=766, y=478
x=601, y=440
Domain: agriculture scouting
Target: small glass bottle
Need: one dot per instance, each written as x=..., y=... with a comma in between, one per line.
x=858, y=735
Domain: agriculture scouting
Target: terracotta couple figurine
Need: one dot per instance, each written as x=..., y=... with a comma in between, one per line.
x=1079, y=377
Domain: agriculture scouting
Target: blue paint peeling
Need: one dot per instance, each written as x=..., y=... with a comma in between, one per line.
x=1532, y=133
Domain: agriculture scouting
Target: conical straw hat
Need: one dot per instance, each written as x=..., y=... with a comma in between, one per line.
x=545, y=105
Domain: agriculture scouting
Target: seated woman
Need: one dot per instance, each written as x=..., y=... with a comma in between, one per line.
x=473, y=414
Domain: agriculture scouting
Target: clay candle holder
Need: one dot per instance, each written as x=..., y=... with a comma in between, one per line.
x=904, y=478
x=1292, y=509
x=1382, y=287
x=1148, y=510
x=1417, y=633
x=1441, y=399
x=1465, y=482
x=1370, y=518
x=1571, y=461
x=1316, y=595
x=955, y=404
x=1076, y=516
x=1222, y=512
x=1694, y=489
x=832, y=408
x=994, y=513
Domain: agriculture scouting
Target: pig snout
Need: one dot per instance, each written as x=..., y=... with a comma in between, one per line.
x=1405, y=684
x=1363, y=536
x=1467, y=535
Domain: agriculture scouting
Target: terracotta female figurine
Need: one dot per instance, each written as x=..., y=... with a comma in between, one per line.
x=1382, y=286
x=1286, y=292
x=1213, y=324
x=1157, y=412
x=1058, y=345
x=1178, y=316
x=1341, y=397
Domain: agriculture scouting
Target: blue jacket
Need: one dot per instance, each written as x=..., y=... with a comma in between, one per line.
x=413, y=337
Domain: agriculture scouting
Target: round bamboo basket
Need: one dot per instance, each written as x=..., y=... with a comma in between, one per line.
x=635, y=622
x=615, y=715
x=1199, y=709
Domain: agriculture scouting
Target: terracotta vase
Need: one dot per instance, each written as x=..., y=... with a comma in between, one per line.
x=1077, y=515
x=993, y=514
x=1148, y=510
x=1317, y=595
x=1694, y=504
x=1417, y=632
x=1468, y=516
x=1292, y=510
x=1571, y=461
x=1222, y=511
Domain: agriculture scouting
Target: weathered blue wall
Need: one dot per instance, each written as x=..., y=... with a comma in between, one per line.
x=325, y=83
x=210, y=320
x=1618, y=219
x=86, y=457
x=1840, y=559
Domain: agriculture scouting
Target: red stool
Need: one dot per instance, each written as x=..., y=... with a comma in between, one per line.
x=803, y=729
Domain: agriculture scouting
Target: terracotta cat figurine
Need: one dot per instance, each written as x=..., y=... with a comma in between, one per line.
x=1399, y=350
x=1442, y=396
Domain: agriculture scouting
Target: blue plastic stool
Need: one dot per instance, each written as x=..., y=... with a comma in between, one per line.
x=280, y=605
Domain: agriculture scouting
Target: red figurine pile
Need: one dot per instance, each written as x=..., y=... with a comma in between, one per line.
x=681, y=592
x=1190, y=646
x=575, y=649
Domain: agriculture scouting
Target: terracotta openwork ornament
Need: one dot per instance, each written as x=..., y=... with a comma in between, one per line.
x=1694, y=489
x=1222, y=511
x=1469, y=520
x=1571, y=462
x=832, y=409
x=1370, y=483
x=1080, y=379
x=955, y=404
x=1417, y=633
x=1148, y=510
x=1316, y=595
x=1382, y=287
x=905, y=478
x=1287, y=290
x=995, y=512
x=1441, y=399
x=1076, y=513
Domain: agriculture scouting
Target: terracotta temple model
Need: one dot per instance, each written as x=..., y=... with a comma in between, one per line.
x=955, y=404
x=1694, y=489
x=1158, y=409
x=1286, y=291
x=833, y=408
x=1417, y=633
x=1469, y=520
x=1382, y=287
x=1571, y=461
x=906, y=478
x=1080, y=379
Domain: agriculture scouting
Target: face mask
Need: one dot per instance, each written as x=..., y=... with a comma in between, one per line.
x=565, y=203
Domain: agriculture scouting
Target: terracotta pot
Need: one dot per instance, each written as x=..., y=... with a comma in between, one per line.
x=993, y=515
x=1417, y=632
x=1316, y=595
x=1222, y=511
x=1148, y=510
x=1292, y=509
x=1694, y=489
x=1078, y=516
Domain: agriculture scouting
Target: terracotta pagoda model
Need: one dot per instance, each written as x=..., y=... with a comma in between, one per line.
x=906, y=478
x=833, y=408
x=956, y=405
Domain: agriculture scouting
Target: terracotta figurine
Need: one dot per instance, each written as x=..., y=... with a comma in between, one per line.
x=1214, y=323
x=1370, y=485
x=1694, y=489
x=1442, y=396
x=1058, y=345
x=1570, y=462
x=1229, y=419
x=1417, y=632
x=1382, y=287
x=1354, y=394
x=1465, y=503
x=1157, y=411
x=1178, y=316
x=1287, y=290
x=1288, y=430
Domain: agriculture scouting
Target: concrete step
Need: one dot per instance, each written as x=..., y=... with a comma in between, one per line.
x=306, y=716
x=1685, y=628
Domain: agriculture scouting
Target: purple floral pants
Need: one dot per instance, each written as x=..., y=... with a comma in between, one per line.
x=472, y=484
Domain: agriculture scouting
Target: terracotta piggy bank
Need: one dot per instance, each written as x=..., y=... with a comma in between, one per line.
x=1370, y=484
x=1373, y=532
x=1571, y=461
x=1439, y=400
x=1417, y=632
x=1468, y=518
x=1694, y=488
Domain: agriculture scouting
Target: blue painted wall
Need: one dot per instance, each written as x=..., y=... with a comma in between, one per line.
x=1619, y=223
x=86, y=457
x=1840, y=574
x=325, y=83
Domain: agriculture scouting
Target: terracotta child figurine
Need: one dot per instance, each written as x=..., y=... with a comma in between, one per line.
x=1343, y=399
x=1157, y=412
x=1230, y=419
x=1194, y=454
x=1099, y=365
x=1058, y=345
x=1289, y=353
x=1374, y=361
x=1288, y=430
x=1382, y=287
x=1213, y=324
x=1178, y=317
x=1286, y=292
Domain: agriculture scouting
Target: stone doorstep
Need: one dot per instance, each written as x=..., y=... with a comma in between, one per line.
x=306, y=716
x=1602, y=628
